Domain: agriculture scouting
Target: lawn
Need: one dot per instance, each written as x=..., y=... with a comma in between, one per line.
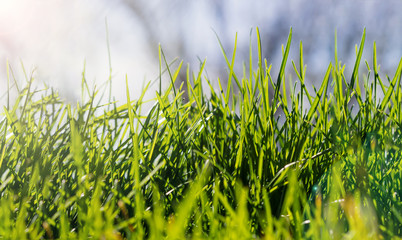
x=257, y=157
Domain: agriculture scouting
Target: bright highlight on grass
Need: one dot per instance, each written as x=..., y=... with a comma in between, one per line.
x=252, y=163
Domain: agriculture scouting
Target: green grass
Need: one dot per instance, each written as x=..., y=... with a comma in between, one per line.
x=270, y=160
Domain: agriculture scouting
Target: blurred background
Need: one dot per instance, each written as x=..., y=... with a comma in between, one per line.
x=55, y=39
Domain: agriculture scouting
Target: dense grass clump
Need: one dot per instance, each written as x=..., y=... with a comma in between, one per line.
x=267, y=161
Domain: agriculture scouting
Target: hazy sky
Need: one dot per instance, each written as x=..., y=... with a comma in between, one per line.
x=53, y=38
x=56, y=37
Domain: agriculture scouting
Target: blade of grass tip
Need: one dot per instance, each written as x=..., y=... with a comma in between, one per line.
x=396, y=99
x=90, y=111
x=337, y=64
x=390, y=90
x=338, y=92
x=160, y=74
x=130, y=113
x=319, y=94
x=222, y=93
x=260, y=60
x=250, y=76
x=198, y=83
x=336, y=52
x=82, y=82
x=160, y=69
x=302, y=75
x=140, y=102
x=24, y=71
x=226, y=58
x=381, y=84
x=27, y=97
x=267, y=80
x=263, y=75
x=301, y=61
x=15, y=80
x=110, y=60
x=282, y=69
x=13, y=120
x=399, y=99
x=229, y=83
x=130, y=110
x=176, y=73
x=284, y=96
x=188, y=79
x=170, y=73
x=357, y=62
x=375, y=72
x=8, y=86
x=358, y=90
x=263, y=88
x=222, y=49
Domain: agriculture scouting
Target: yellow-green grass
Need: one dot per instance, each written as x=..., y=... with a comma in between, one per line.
x=262, y=158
